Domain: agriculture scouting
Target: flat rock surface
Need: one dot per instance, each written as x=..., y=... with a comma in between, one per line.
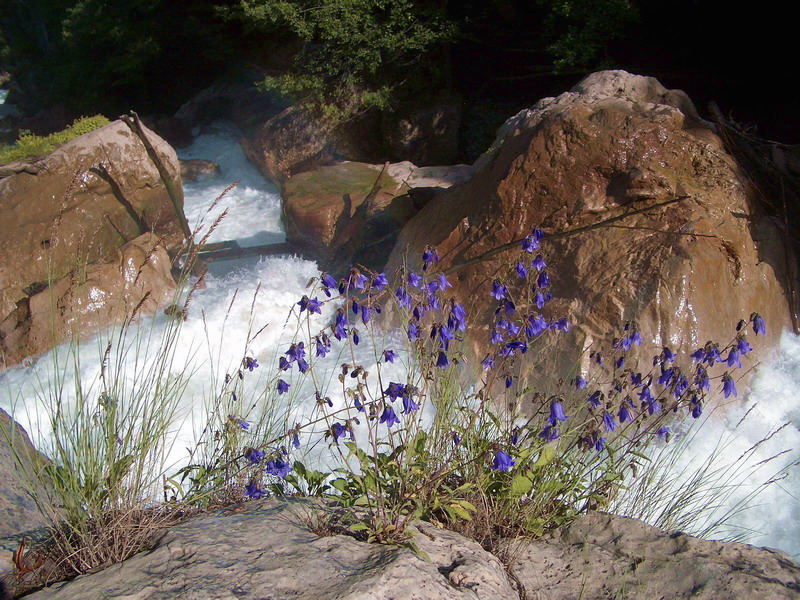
x=602, y=556
x=266, y=550
x=263, y=550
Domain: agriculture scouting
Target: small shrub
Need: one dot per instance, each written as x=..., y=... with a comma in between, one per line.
x=30, y=146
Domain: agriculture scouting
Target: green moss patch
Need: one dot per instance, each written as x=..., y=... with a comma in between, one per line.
x=30, y=146
x=314, y=188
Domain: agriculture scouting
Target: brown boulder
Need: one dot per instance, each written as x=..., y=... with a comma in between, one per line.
x=67, y=214
x=176, y=133
x=686, y=272
x=297, y=140
x=137, y=281
x=327, y=214
x=288, y=143
x=238, y=100
x=424, y=135
x=195, y=169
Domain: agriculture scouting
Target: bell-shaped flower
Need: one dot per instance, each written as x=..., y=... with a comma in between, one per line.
x=499, y=290
x=389, y=417
x=728, y=386
x=502, y=462
x=758, y=325
x=253, y=491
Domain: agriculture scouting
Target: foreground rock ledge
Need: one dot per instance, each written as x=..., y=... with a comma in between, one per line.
x=264, y=549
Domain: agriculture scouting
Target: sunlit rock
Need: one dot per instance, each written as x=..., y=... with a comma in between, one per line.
x=75, y=207
x=351, y=212
x=686, y=272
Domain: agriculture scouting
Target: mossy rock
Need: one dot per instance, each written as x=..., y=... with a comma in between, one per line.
x=30, y=146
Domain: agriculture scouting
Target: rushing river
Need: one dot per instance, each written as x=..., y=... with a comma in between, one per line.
x=243, y=297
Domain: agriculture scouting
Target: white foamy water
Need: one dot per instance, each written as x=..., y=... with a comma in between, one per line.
x=241, y=298
x=771, y=412
x=254, y=206
x=243, y=309
x=746, y=452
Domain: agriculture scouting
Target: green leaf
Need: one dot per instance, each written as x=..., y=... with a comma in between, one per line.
x=460, y=511
x=340, y=484
x=521, y=485
x=546, y=457
x=468, y=505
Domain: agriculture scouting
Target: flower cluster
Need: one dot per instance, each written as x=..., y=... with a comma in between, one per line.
x=601, y=416
x=514, y=329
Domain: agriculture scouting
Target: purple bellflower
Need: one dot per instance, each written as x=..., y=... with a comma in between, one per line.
x=502, y=461
x=278, y=467
x=389, y=417
x=728, y=386
x=253, y=491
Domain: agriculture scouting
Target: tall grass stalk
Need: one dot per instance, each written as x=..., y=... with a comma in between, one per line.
x=677, y=490
x=106, y=441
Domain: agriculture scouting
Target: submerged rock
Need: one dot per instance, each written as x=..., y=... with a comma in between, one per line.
x=197, y=169
x=686, y=272
x=266, y=549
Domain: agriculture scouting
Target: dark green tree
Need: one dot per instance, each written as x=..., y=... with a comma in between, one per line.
x=104, y=55
x=352, y=54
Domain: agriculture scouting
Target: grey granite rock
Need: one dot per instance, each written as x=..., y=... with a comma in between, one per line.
x=18, y=511
x=265, y=550
x=603, y=556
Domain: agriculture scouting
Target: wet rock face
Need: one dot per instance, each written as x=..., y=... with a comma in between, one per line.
x=67, y=215
x=137, y=281
x=686, y=272
x=265, y=550
x=352, y=212
x=76, y=230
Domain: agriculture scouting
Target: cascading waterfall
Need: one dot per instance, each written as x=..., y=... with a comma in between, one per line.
x=241, y=297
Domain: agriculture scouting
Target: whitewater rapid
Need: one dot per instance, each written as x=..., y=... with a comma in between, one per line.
x=255, y=295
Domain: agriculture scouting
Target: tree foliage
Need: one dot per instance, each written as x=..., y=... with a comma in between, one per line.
x=343, y=55
x=353, y=52
x=579, y=31
x=111, y=56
